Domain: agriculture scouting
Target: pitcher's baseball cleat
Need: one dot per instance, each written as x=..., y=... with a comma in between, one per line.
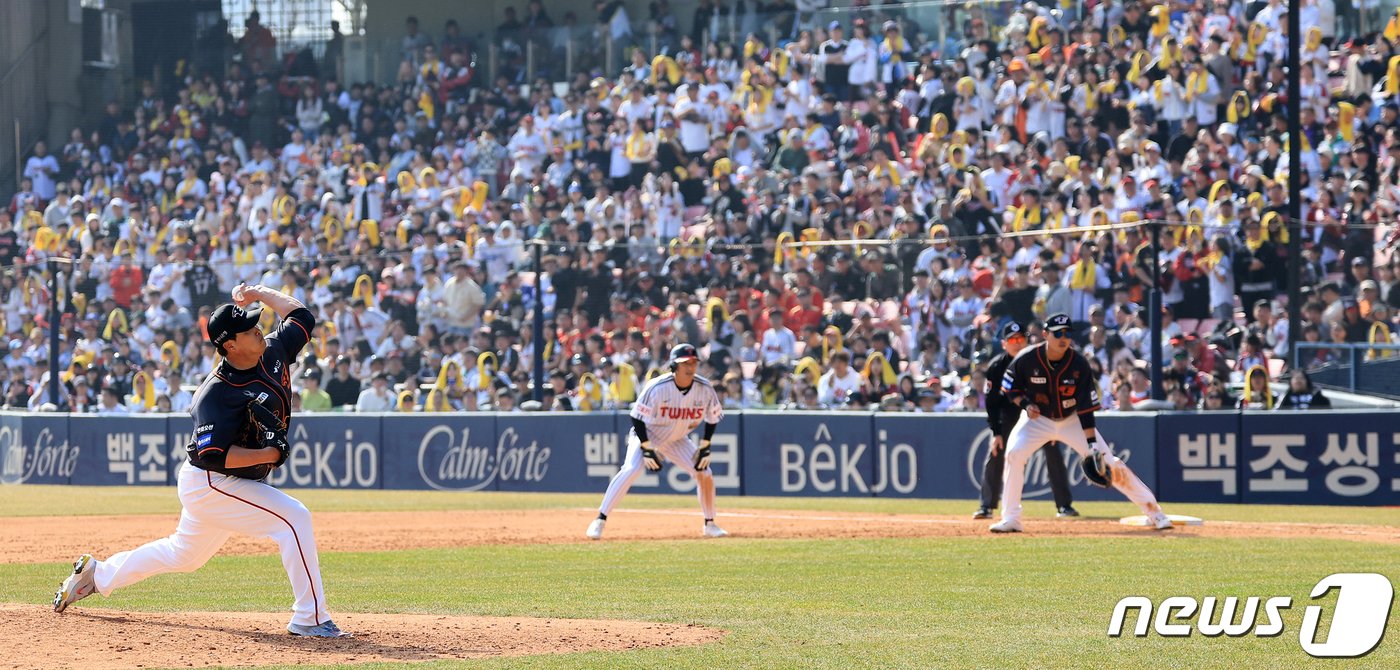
x=595, y=529
x=1160, y=521
x=982, y=513
x=1006, y=526
x=711, y=530
x=324, y=629
x=78, y=585
x=1066, y=512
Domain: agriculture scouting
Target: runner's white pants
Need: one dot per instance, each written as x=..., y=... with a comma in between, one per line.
x=1032, y=434
x=215, y=507
x=682, y=453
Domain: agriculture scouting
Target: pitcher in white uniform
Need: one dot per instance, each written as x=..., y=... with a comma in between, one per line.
x=668, y=409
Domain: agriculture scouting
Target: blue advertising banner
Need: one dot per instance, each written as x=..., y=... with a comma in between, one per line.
x=36, y=449
x=121, y=450
x=332, y=451
x=925, y=456
x=807, y=454
x=1316, y=458
x=604, y=455
x=1198, y=456
x=447, y=452
x=549, y=452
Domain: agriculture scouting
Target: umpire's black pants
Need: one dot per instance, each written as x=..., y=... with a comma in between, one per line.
x=1054, y=468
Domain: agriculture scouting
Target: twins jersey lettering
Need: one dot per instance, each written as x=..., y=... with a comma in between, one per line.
x=671, y=414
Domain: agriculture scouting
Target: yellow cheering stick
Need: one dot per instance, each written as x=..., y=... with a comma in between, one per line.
x=437, y=401
x=827, y=349
x=780, y=250
x=716, y=304
x=147, y=392
x=887, y=374
x=810, y=368
x=665, y=66
x=369, y=230
x=116, y=323
x=333, y=229
x=780, y=61
x=79, y=305
x=364, y=289
x=405, y=181
x=860, y=231
x=1379, y=334
x=624, y=387
x=1248, y=388
x=654, y=372
x=479, y=191
x=428, y=176
x=472, y=237
x=170, y=355
x=283, y=208
x=482, y=372
x=405, y=403
x=939, y=125
x=444, y=379
x=694, y=247
x=590, y=392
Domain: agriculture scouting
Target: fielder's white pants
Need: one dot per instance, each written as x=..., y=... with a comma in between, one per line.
x=1032, y=434
x=681, y=453
x=215, y=507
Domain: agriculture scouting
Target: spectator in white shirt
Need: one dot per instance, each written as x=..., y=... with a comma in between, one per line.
x=779, y=344
x=840, y=383
x=378, y=397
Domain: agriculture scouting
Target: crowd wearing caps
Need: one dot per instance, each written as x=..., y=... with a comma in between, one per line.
x=1023, y=120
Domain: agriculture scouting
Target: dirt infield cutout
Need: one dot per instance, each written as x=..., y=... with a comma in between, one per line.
x=35, y=637
x=61, y=539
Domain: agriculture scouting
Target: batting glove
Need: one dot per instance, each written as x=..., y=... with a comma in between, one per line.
x=649, y=457
x=702, y=457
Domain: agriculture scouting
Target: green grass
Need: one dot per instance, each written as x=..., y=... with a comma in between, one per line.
x=980, y=602
x=103, y=500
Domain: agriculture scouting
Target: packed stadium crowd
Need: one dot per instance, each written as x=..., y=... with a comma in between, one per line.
x=939, y=188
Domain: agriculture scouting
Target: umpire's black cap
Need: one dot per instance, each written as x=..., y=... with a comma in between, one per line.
x=1057, y=322
x=228, y=320
x=1011, y=330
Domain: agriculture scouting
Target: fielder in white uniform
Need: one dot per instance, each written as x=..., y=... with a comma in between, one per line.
x=1058, y=392
x=221, y=488
x=668, y=409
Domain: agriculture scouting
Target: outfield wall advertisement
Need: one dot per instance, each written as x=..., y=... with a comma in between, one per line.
x=1336, y=457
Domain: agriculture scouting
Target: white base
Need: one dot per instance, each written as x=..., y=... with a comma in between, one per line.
x=1177, y=520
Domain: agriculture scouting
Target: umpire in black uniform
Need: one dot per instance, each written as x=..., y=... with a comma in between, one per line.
x=1001, y=418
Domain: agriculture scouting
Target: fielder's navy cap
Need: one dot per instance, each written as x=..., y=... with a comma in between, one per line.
x=1011, y=330
x=228, y=320
x=1057, y=322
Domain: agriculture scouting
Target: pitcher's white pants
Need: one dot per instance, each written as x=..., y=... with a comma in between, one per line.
x=682, y=453
x=215, y=507
x=1032, y=434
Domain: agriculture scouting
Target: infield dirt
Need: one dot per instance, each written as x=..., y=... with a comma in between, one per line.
x=61, y=539
x=98, y=639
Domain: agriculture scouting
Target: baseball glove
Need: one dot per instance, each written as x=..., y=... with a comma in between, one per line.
x=268, y=431
x=1096, y=470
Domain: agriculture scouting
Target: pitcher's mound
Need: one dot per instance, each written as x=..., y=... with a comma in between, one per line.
x=34, y=636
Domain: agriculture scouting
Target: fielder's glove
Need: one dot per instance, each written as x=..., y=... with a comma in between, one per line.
x=702, y=456
x=268, y=431
x=1095, y=466
x=649, y=457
